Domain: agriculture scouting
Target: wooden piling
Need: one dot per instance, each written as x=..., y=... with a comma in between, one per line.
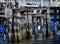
x=10, y=36
x=15, y=34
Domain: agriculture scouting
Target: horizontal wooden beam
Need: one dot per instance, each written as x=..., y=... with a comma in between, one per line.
x=2, y=15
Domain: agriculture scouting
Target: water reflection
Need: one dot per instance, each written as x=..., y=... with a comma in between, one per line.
x=15, y=42
x=51, y=36
x=40, y=40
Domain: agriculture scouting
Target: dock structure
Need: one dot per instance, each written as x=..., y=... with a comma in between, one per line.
x=42, y=3
x=28, y=19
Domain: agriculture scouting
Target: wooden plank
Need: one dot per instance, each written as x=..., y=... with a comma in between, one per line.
x=2, y=15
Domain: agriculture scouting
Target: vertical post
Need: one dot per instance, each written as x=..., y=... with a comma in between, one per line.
x=59, y=15
x=24, y=2
x=7, y=24
x=55, y=15
x=49, y=3
x=59, y=18
x=41, y=3
x=42, y=21
x=27, y=25
x=13, y=25
x=56, y=3
x=19, y=3
x=6, y=28
x=6, y=3
x=46, y=24
x=50, y=0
